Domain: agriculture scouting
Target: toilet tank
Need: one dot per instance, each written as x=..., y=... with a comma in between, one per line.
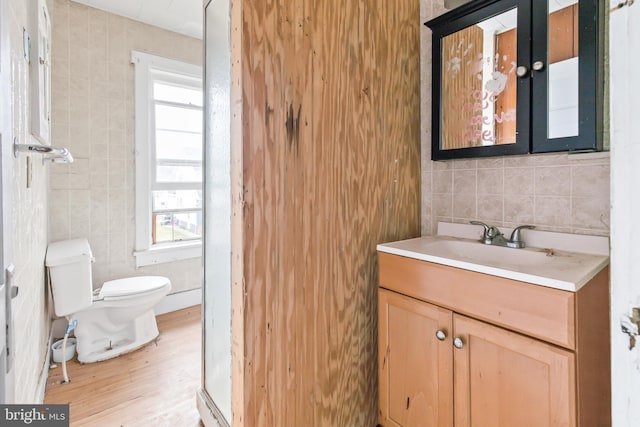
x=69, y=264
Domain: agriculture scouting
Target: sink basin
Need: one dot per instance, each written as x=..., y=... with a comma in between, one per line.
x=477, y=252
x=547, y=267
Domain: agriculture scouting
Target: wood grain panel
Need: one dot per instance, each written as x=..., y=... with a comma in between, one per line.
x=460, y=53
x=538, y=311
x=593, y=358
x=576, y=30
x=563, y=34
x=507, y=49
x=506, y=379
x=238, y=212
x=254, y=120
x=330, y=164
x=416, y=369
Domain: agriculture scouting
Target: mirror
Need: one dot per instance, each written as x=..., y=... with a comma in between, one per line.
x=479, y=66
x=562, y=48
x=516, y=77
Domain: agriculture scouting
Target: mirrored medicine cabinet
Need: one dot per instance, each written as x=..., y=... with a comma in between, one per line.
x=517, y=77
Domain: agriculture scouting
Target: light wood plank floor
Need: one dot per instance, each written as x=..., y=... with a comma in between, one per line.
x=153, y=386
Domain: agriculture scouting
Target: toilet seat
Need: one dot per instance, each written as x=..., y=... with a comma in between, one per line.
x=131, y=286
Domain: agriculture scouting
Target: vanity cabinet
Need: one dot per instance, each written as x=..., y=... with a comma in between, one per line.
x=461, y=348
x=516, y=77
x=506, y=379
x=416, y=382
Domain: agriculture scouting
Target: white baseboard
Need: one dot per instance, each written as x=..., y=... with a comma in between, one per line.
x=178, y=301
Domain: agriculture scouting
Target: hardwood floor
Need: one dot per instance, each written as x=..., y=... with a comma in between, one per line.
x=153, y=386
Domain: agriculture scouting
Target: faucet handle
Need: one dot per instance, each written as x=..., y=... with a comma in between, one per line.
x=515, y=235
x=486, y=227
x=489, y=231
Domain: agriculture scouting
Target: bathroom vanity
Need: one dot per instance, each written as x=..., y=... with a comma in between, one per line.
x=476, y=335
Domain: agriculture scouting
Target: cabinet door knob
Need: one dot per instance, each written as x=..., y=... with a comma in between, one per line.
x=521, y=71
x=457, y=343
x=538, y=65
x=441, y=335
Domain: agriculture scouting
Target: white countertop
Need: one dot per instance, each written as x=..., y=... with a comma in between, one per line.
x=560, y=260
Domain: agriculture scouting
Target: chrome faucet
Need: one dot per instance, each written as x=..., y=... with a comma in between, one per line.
x=493, y=236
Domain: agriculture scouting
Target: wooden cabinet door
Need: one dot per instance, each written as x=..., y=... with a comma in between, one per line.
x=503, y=379
x=415, y=367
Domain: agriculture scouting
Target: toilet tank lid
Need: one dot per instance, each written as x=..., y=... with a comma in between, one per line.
x=67, y=252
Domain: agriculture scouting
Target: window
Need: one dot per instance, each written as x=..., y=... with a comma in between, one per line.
x=168, y=96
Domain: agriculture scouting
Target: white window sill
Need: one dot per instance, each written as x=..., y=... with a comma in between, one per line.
x=168, y=253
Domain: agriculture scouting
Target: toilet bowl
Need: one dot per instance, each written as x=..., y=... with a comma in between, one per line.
x=114, y=319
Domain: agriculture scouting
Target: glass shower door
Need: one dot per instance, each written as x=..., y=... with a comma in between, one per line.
x=216, y=382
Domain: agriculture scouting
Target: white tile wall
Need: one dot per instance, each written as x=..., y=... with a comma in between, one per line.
x=29, y=222
x=93, y=114
x=557, y=192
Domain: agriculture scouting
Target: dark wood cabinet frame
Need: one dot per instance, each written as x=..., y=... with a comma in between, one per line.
x=532, y=99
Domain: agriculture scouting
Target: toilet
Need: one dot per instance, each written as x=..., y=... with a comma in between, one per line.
x=114, y=319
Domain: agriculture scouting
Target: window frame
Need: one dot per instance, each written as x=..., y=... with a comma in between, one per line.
x=145, y=65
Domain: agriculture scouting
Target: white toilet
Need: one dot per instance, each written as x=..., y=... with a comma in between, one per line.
x=112, y=320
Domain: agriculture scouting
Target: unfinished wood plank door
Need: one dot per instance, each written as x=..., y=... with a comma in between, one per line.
x=506, y=379
x=330, y=167
x=415, y=367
